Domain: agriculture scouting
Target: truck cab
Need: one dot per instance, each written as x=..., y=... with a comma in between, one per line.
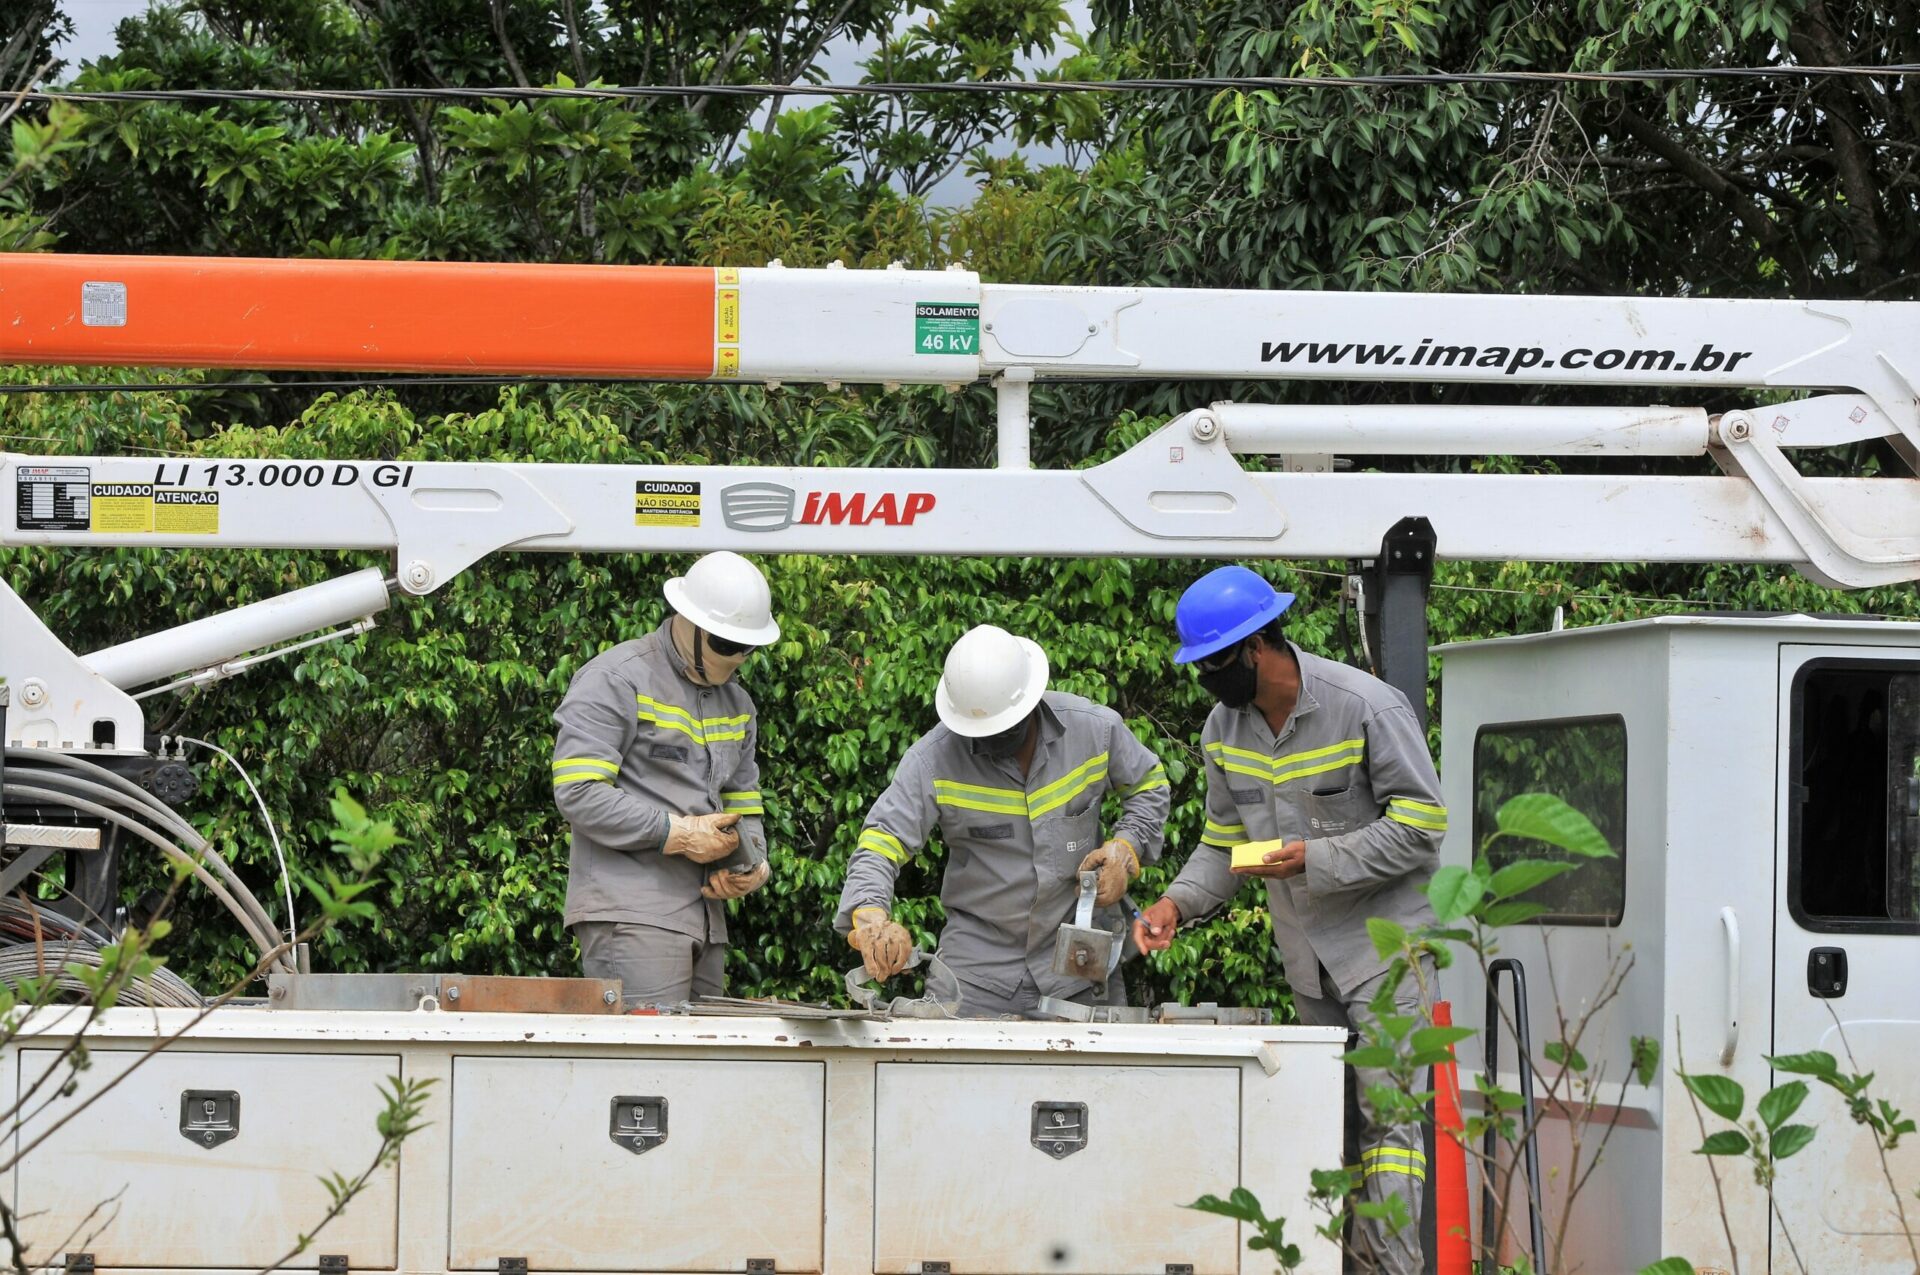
x=1759, y=778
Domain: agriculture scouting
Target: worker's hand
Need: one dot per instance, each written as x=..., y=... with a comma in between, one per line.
x=1290, y=860
x=1153, y=929
x=883, y=943
x=1117, y=864
x=702, y=838
x=727, y=884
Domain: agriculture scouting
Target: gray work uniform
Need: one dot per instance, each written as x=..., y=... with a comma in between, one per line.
x=1349, y=774
x=1014, y=845
x=637, y=740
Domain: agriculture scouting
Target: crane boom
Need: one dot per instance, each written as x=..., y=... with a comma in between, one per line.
x=920, y=327
x=1184, y=490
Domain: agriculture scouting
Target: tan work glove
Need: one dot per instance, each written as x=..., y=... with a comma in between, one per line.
x=727, y=884
x=883, y=943
x=702, y=838
x=1117, y=864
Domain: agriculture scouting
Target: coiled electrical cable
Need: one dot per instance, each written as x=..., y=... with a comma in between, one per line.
x=87, y=777
x=36, y=943
x=90, y=789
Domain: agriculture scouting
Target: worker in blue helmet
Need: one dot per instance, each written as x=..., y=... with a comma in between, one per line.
x=1330, y=765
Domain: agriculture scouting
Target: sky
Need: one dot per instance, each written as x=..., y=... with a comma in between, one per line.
x=94, y=20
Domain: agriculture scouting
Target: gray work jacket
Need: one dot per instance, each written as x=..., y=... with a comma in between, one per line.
x=635, y=741
x=1014, y=844
x=1349, y=774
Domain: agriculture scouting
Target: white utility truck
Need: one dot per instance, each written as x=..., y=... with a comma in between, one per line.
x=1756, y=775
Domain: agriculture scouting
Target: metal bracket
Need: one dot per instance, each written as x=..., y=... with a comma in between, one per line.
x=1183, y=483
x=1179, y=1268
x=1060, y=1128
x=513, y=1266
x=1081, y=950
x=209, y=1117
x=1835, y=553
x=334, y=1264
x=761, y=1264
x=936, y=1268
x=1397, y=583
x=638, y=1124
x=79, y=1264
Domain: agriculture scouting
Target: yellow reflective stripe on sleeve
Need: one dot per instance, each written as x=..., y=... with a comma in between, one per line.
x=1411, y=822
x=968, y=803
x=1238, y=768
x=884, y=844
x=1224, y=835
x=1068, y=786
x=1228, y=750
x=1291, y=766
x=1071, y=777
x=1417, y=814
x=741, y=800
x=1394, y=1160
x=576, y=777
x=999, y=801
x=1393, y=1153
x=1281, y=763
x=1339, y=763
x=955, y=786
x=593, y=763
x=1155, y=778
x=701, y=730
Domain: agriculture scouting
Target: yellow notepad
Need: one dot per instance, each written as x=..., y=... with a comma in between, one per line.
x=1250, y=854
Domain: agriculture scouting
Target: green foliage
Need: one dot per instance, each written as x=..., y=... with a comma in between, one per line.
x=1269, y=1233
x=1886, y=1122
x=1765, y=1140
x=1668, y=1266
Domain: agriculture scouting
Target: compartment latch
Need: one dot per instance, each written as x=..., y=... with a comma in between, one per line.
x=209, y=1117
x=638, y=1124
x=1060, y=1128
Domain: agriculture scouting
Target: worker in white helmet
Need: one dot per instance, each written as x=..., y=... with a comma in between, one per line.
x=1013, y=778
x=655, y=770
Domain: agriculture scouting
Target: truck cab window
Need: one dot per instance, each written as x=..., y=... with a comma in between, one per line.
x=1583, y=761
x=1854, y=810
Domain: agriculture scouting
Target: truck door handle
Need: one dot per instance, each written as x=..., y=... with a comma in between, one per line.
x=1827, y=972
x=1730, y=929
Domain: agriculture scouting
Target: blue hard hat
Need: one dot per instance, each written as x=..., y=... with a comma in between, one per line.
x=1221, y=607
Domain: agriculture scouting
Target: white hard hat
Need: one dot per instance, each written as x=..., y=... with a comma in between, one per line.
x=727, y=596
x=992, y=681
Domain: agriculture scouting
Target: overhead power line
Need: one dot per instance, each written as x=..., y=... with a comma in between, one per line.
x=987, y=88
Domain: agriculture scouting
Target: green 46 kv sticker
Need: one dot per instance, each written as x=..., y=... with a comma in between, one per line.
x=946, y=327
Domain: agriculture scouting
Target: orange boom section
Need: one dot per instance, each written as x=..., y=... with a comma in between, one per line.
x=385, y=316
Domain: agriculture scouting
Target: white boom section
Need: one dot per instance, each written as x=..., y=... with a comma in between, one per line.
x=846, y=325
x=1179, y=491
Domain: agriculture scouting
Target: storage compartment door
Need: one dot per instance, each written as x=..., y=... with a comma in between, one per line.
x=958, y=1177
x=149, y=1174
x=637, y=1164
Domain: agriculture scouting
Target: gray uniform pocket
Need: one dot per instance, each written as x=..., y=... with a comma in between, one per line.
x=1333, y=811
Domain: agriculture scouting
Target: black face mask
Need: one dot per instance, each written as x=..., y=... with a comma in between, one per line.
x=1000, y=746
x=1235, y=684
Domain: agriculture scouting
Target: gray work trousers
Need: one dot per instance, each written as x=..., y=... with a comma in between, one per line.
x=654, y=966
x=981, y=1002
x=1390, y=1158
